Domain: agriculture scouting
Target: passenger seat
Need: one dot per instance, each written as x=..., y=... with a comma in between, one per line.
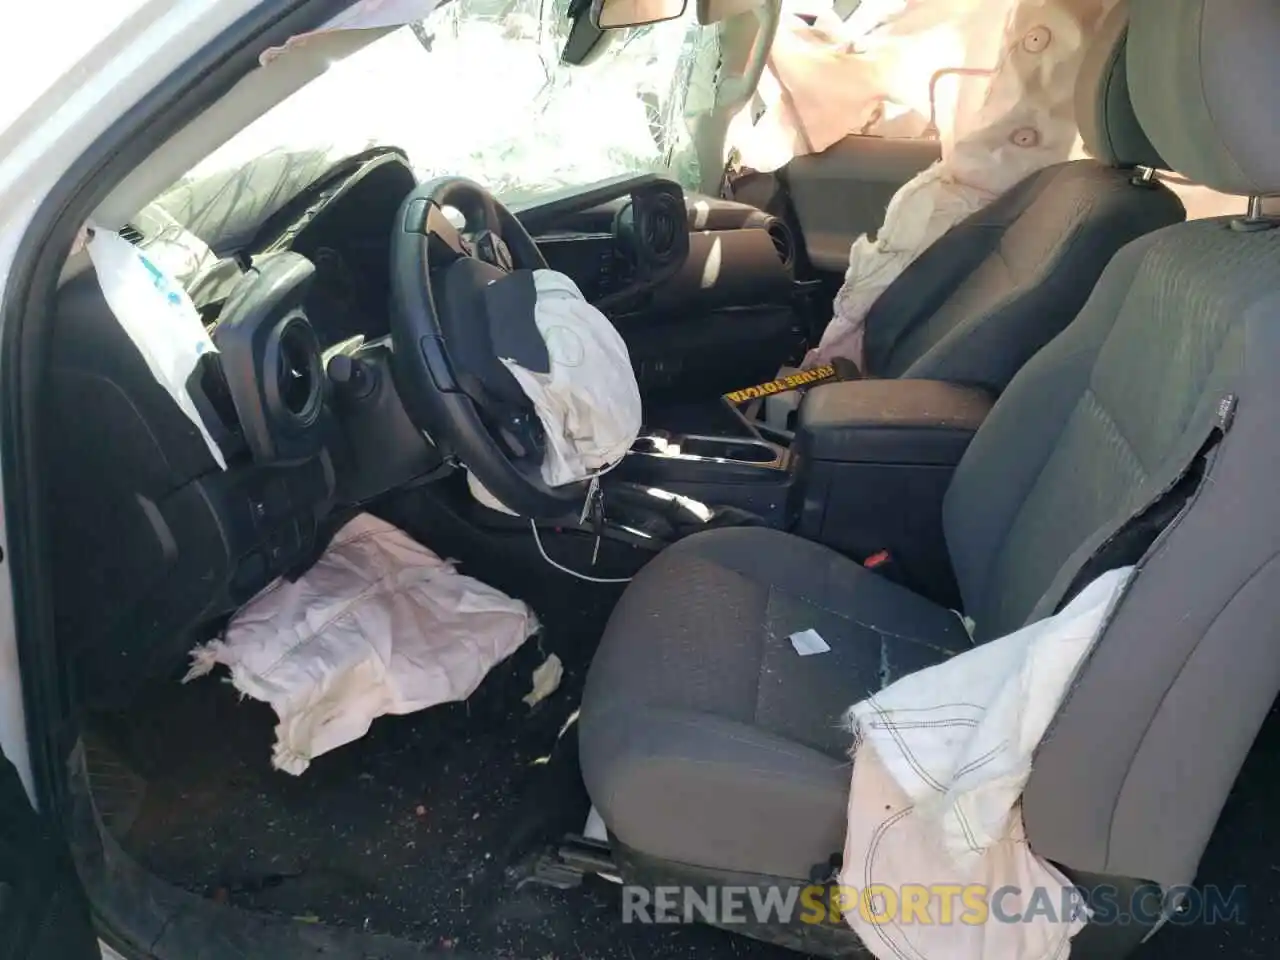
x=1002, y=283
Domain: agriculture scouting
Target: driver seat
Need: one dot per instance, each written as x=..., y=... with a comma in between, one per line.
x=715, y=754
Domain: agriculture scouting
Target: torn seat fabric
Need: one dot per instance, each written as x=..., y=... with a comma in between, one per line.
x=705, y=738
x=942, y=758
x=379, y=625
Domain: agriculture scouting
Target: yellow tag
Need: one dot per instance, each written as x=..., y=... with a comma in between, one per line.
x=805, y=378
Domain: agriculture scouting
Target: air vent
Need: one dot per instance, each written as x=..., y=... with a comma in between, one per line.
x=271, y=359
x=783, y=242
x=132, y=234
x=298, y=372
x=653, y=232
x=663, y=223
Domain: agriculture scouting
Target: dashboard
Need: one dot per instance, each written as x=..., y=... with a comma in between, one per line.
x=341, y=223
x=638, y=247
x=153, y=542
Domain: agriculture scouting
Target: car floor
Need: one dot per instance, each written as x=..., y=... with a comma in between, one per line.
x=427, y=828
x=1244, y=851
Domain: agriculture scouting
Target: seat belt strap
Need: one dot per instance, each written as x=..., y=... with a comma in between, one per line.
x=1168, y=494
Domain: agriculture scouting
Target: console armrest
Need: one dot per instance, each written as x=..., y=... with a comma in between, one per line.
x=873, y=462
x=890, y=421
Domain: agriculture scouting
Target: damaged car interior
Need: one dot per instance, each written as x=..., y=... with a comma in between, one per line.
x=1077, y=377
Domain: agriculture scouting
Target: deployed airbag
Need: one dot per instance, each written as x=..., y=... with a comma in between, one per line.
x=159, y=317
x=992, y=80
x=1025, y=122
x=380, y=625
x=941, y=760
x=588, y=402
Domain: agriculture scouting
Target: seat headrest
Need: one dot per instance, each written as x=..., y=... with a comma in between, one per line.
x=1104, y=113
x=1203, y=76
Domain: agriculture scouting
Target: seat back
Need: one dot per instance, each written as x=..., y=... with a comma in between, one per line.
x=997, y=287
x=1166, y=386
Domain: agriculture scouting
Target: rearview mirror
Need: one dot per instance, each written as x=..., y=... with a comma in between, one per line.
x=616, y=14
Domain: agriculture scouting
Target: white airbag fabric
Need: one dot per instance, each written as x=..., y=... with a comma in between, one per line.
x=994, y=80
x=589, y=404
x=159, y=317
x=380, y=625
x=1025, y=123
x=941, y=759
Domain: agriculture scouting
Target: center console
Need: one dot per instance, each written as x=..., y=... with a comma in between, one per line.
x=865, y=474
x=744, y=472
x=873, y=460
x=711, y=453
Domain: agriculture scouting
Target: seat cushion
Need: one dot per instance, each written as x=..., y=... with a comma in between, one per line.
x=705, y=738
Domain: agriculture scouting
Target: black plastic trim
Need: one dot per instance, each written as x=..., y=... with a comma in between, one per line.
x=264, y=309
x=891, y=421
x=544, y=213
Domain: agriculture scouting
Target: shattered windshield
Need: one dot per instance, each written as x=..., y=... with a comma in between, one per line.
x=478, y=89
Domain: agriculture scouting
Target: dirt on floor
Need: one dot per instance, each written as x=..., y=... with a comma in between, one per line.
x=427, y=828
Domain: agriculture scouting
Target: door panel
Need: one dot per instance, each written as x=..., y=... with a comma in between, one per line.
x=43, y=912
x=843, y=192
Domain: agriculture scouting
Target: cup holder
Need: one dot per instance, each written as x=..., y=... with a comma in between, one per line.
x=740, y=451
x=657, y=446
x=728, y=449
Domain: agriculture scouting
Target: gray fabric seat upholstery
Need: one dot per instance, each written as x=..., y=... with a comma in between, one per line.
x=1002, y=283
x=712, y=725
x=1174, y=361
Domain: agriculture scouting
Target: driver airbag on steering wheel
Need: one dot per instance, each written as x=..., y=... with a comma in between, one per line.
x=501, y=361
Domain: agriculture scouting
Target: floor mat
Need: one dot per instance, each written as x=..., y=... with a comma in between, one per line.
x=421, y=831
x=426, y=827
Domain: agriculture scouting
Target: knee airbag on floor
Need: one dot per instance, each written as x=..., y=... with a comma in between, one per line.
x=380, y=625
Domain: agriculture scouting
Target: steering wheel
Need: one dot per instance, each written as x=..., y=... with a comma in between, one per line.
x=449, y=326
